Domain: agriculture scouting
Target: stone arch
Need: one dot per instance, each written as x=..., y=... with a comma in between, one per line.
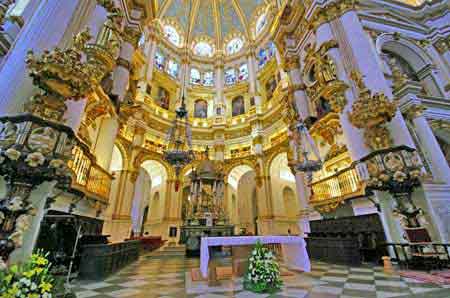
x=230, y=165
x=272, y=155
x=415, y=56
x=124, y=153
x=412, y=53
x=144, y=156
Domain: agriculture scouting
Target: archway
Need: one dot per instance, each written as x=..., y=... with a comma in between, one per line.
x=155, y=198
x=284, y=195
x=242, y=199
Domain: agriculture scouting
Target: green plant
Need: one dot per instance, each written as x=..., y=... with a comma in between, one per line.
x=263, y=273
x=31, y=279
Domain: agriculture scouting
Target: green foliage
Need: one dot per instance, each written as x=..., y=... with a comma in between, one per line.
x=31, y=279
x=263, y=273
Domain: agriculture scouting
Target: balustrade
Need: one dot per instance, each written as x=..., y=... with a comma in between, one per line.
x=88, y=176
x=336, y=188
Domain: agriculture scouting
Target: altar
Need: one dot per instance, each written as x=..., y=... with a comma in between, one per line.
x=293, y=249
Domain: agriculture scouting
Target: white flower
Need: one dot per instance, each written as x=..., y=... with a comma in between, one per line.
x=33, y=286
x=25, y=281
x=47, y=295
x=56, y=163
x=35, y=159
x=12, y=154
x=15, y=204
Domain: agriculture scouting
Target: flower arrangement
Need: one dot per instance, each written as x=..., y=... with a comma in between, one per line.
x=31, y=279
x=263, y=273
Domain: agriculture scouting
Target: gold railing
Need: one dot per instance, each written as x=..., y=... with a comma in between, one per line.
x=332, y=190
x=88, y=176
x=99, y=182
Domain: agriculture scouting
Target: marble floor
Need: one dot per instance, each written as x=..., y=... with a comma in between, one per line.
x=169, y=277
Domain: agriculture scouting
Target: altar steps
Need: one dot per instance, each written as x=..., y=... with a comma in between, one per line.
x=169, y=251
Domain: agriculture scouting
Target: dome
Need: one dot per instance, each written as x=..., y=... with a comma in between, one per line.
x=209, y=27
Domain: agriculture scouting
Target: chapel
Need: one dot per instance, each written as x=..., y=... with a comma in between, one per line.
x=155, y=148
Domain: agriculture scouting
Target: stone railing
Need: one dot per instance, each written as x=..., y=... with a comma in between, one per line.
x=89, y=177
x=329, y=192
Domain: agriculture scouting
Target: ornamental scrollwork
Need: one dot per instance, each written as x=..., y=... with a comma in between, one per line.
x=320, y=76
x=371, y=112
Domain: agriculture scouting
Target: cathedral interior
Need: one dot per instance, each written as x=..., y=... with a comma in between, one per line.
x=133, y=130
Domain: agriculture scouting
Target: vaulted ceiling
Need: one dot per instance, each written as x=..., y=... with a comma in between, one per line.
x=213, y=20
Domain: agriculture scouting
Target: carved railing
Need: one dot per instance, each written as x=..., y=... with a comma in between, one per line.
x=88, y=177
x=329, y=192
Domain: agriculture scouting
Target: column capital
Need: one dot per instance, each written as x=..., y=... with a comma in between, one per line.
x=414, y=111
x=291, y=62
x=131, y=35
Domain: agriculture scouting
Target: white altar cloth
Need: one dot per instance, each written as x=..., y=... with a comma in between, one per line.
x=294, y=249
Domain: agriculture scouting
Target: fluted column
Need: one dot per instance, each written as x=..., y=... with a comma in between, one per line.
x=44, y=31
x=121, y=75
x=429, y=144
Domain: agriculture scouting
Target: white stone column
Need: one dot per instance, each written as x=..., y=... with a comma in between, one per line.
x=105, y=141
x=429, y=144
x=219, y=100
x=151, y=51
x=254, y=86
x=44, y=31
x=292, y=68
x=365, y=58
x=353, y=137
x=97, y=19
x=303, y=195
x=121, y=75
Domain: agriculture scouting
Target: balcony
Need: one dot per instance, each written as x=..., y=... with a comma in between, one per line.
x=329, y=192
x=89, y=177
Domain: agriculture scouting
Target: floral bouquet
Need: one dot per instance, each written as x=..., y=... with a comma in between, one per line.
x=29, y=280
x=263, y=273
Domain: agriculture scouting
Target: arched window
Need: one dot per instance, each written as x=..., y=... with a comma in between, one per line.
x=203, y=49
x=172, y=68
x=201, y=108
x=238, y=106
x=234, y=46
x=172, y=35
x=163, y=98
x=159, y=60
x=195, y=76
x=208, y=78
x=260, y=23
x=230, y=76
x=243, y=72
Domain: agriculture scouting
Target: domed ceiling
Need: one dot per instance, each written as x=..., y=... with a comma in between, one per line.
x=210, y=26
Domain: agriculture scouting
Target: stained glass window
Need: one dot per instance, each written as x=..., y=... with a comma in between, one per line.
x=172, y=68
x=203, y=49
x=171, y=34
x=234, y=45
x=208, y=78
x=243, y=72
x=263, y=57
x=159, y=60
x=230, y=76
x=260, y=23
x=195, y=76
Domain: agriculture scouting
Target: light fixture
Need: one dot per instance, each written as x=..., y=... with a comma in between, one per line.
x=307, y=146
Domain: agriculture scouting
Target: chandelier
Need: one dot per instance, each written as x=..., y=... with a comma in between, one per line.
x=307, y=146
x=179, y=141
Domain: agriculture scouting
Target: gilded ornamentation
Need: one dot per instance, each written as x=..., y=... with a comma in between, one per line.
x=371, y=112
x=320, y=73
x=61, y=75
x=4, y=7
x=414, y=111
x=399, y=79
x=132, y=35
x=328, y=127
